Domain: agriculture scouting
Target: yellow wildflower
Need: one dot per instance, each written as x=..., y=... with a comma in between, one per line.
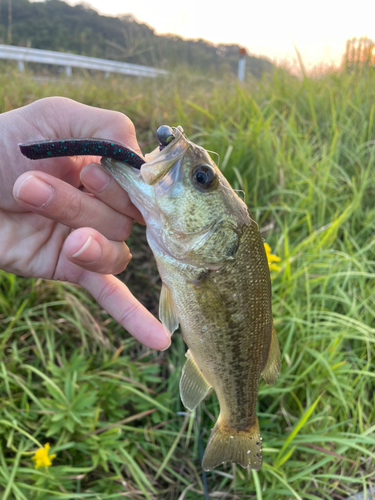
x=42, y=458
x=271, y=258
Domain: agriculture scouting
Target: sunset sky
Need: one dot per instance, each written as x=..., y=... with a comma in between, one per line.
x=319, y=28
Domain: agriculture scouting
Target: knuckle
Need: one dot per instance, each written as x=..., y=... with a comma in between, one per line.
x=72, y=210
x=127, y=228
x=52, y=106
x=130, y=311
x=121, y=260
x=124, y=121
x=109, y=290
x=128, y=210
x=118, y=229
x=124, y=124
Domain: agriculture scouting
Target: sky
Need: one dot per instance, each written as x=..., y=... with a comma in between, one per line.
x=318, y=28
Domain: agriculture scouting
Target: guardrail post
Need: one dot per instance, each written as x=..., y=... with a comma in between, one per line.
x=68, y=70
x=241, y=65
x=21, y=66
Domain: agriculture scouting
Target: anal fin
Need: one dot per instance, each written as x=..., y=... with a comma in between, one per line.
x=167, y=313
x=193, y=386
x=273, y=367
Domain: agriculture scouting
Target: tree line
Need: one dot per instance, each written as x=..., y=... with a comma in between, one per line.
x=55, y=25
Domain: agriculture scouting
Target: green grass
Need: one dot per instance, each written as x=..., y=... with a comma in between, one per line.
x=304, y=153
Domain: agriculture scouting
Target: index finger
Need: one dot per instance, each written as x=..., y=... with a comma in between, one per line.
x=62, y=118
x=98, y=182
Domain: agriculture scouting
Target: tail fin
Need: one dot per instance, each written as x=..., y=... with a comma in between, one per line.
x=243, y=447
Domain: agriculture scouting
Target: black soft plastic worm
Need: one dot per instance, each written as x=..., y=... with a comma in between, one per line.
x=38, y=150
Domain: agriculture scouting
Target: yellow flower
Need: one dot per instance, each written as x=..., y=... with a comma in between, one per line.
x=41, y=457
x=271, y=258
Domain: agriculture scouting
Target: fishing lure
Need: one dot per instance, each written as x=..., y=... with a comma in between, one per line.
x=53, y=148
x=38, y=150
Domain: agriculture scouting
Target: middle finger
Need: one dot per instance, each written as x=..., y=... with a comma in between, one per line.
x=46, y=195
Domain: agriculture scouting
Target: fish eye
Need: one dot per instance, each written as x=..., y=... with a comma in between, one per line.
x=204, y=177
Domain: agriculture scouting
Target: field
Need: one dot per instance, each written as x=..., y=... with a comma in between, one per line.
x=303, y=152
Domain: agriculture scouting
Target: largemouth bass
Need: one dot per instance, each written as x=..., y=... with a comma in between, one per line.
x=215, y=284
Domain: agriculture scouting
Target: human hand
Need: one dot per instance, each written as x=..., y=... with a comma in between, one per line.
x=50, y=228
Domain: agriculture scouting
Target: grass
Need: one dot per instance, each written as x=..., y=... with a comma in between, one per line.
x=303, y=152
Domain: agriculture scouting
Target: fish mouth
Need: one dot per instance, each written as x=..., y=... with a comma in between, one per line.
x=141, y=183
x=160, y=161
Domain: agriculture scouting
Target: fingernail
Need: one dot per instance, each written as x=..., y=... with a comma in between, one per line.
x=89, y=252
x=96, y=179
x=165, y=348
x=169, y=337
x=35, y=192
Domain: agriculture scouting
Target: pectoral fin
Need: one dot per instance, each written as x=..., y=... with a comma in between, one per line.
x=193, y=386
x=167, y=314
x=273, y=367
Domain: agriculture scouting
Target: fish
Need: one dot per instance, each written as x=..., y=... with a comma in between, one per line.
x=215, y=285
x=215, y=277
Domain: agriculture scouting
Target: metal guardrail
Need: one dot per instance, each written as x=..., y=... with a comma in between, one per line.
x=69, y=61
